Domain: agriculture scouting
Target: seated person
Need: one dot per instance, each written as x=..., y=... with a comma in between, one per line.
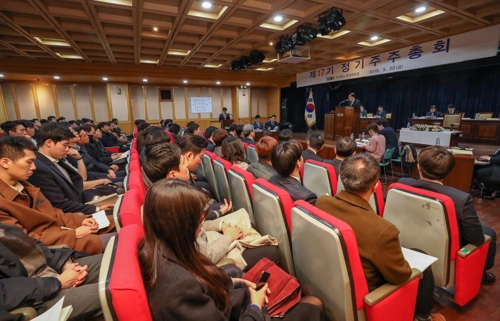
x=24, y=206
x=363, y=113
x=58, y=180
x=249, y=134
x=232, y=130
x=165, y=161
x=489, y=175
x=96, y=148
x=14, y=128
x=257, y=124
x=434, y=164
x=381, y=113
x=344, y=147
x=209, y=137
x=314, y=145
x=452, y=110
x=271, y=123
x=193, y=148
x=285, y=135
x=30, y=130
x=175, y=130
x=108, y=140
x=234, y=152
x=287, y=161
x=376, y=144
x=264, y=168
x=35, y=276
x=377, y=238
x=391, y=138
x=239, y=132
x=219, y=136
x=433, y=112
x=182, y=283
x=193, y=129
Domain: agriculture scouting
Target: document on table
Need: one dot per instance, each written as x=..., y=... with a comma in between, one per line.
x=101, y=219
x=417, y=260
x=57, y=312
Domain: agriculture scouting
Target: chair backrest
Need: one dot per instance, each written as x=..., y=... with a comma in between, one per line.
x=129, y=210
x=483, y=115
x=172, y=139
x=388, y=115
x=208, y=170
x=320, y=178
x=221, y=167
x=252, y=155
x=271, y=210
x=240, y=184
x=451, y=119
x=121, y=288
x=246, y=146
x=337, y=278
x=136, y=181
x=388, y=154
x=376, y=200
x=430, y=225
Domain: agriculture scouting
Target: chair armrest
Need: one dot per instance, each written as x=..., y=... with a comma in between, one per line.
x=387, y=289
x=59, y=246
x=469, y=248
x=225, y=261
x=113, y=149
x=28, y=312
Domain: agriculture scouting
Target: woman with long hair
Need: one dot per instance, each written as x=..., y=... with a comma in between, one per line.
x=181, y=283
x=234, y=152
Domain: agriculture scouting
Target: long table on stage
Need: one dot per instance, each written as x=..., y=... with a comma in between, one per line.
x=446, y=137
x=274, y=133
x=473, y=131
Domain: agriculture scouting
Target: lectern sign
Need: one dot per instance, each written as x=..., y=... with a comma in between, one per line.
x=468, y=46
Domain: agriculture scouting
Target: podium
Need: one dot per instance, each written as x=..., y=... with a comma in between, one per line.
x=329, y=125
x=346, y=121
x=226, y=123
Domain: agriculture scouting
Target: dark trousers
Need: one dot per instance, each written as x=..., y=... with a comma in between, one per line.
x=425, y=294
x=484, y=174
x=252, y=256
x=492, y=248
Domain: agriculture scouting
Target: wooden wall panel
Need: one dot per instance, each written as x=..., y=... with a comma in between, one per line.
x=216, y=102
x=24, y=94
x=45, y=100
x=190, y=92
x=137, y=100
x=243, y=102
x=82, y=101
x=273, y=102
x=99, y=97
x=3, y=112
x=167, y=110
x=118, y=96
x=65, y=101
x=8, y=99
x=227, y=101
x=152, y=102
x=262, y=111
x=179, y=102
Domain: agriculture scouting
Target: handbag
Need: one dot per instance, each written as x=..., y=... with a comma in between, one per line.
x=285, y=290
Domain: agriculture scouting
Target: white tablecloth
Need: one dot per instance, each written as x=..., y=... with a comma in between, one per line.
x=425, y=138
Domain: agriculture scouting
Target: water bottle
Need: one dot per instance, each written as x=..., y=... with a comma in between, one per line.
x=438, y=142
x=478, y=116
x=352, y=136
x=363, y=135
x=414, y=116
x=408, y=125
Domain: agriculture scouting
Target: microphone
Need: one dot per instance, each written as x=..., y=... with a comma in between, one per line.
x=343, y=101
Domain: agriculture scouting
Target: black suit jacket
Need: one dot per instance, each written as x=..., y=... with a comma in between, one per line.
x=210, y=146
x=109, y=140
x=271, y=125
x=364, y=113
x=16, y=288
x=309, y=154
x=294, y=188
x=249, y=141
x=221, y=116
x=95, y=151
x=355, y=103
x=63, y=194
x=391, y=140
x=469, y=227
x=436, y=114
x=381, y=114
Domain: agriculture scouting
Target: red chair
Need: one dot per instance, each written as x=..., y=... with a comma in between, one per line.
x=320, y=178
x=127, y=210
x=376, y=201
x=208, y=170
x=327, y=265
x=427, y=221
x=221, y=167
x=271, y=210
x=252, y=155
x=246, y=146
x=121, y=289
x=113, y=149
x=172, y=140
x=240, y=184
x=136, y=181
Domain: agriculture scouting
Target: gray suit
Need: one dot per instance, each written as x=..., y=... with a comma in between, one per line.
x=261, y=169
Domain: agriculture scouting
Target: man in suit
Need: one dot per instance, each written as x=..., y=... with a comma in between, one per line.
x=434, y=164
x=264, y=168
x=352, y=101
x=452, y=110
x=249, y=134
x=31, y=275
x=344, y=147
x=109, y=140
x=380, y=112
x=271, y=124
x=23, y=205
x=224, y=115
x=257, y=124
x=58, y=180
x=287, y=161
x=208, y=136
x=314, y=145
x=489, y=175
x=391, y=138
x=433, y=112
x=377, y=238
x=363, y=113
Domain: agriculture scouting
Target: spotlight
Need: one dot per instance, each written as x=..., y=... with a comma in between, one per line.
x=331, y=21
x=256, y=57
x=308, y=32
x=297, y=39
x=236, y=65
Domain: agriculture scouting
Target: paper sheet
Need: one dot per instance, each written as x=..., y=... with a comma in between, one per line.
x=417, y=260
x=57, y=312
x=101, y=219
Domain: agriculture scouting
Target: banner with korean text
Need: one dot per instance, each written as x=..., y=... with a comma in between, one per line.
x=468, y=46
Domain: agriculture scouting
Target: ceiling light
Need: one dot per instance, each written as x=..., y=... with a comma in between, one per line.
x=56, y=77
x=1, y=75
x=374, y=38
x=218, y=83
x=145, y=80
x=248, y=84
x=420, y=9
x=155, y=29
x=278, y=18
x=270, y=43
x=104, y=78
x=185, y=81
x=206, y=5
